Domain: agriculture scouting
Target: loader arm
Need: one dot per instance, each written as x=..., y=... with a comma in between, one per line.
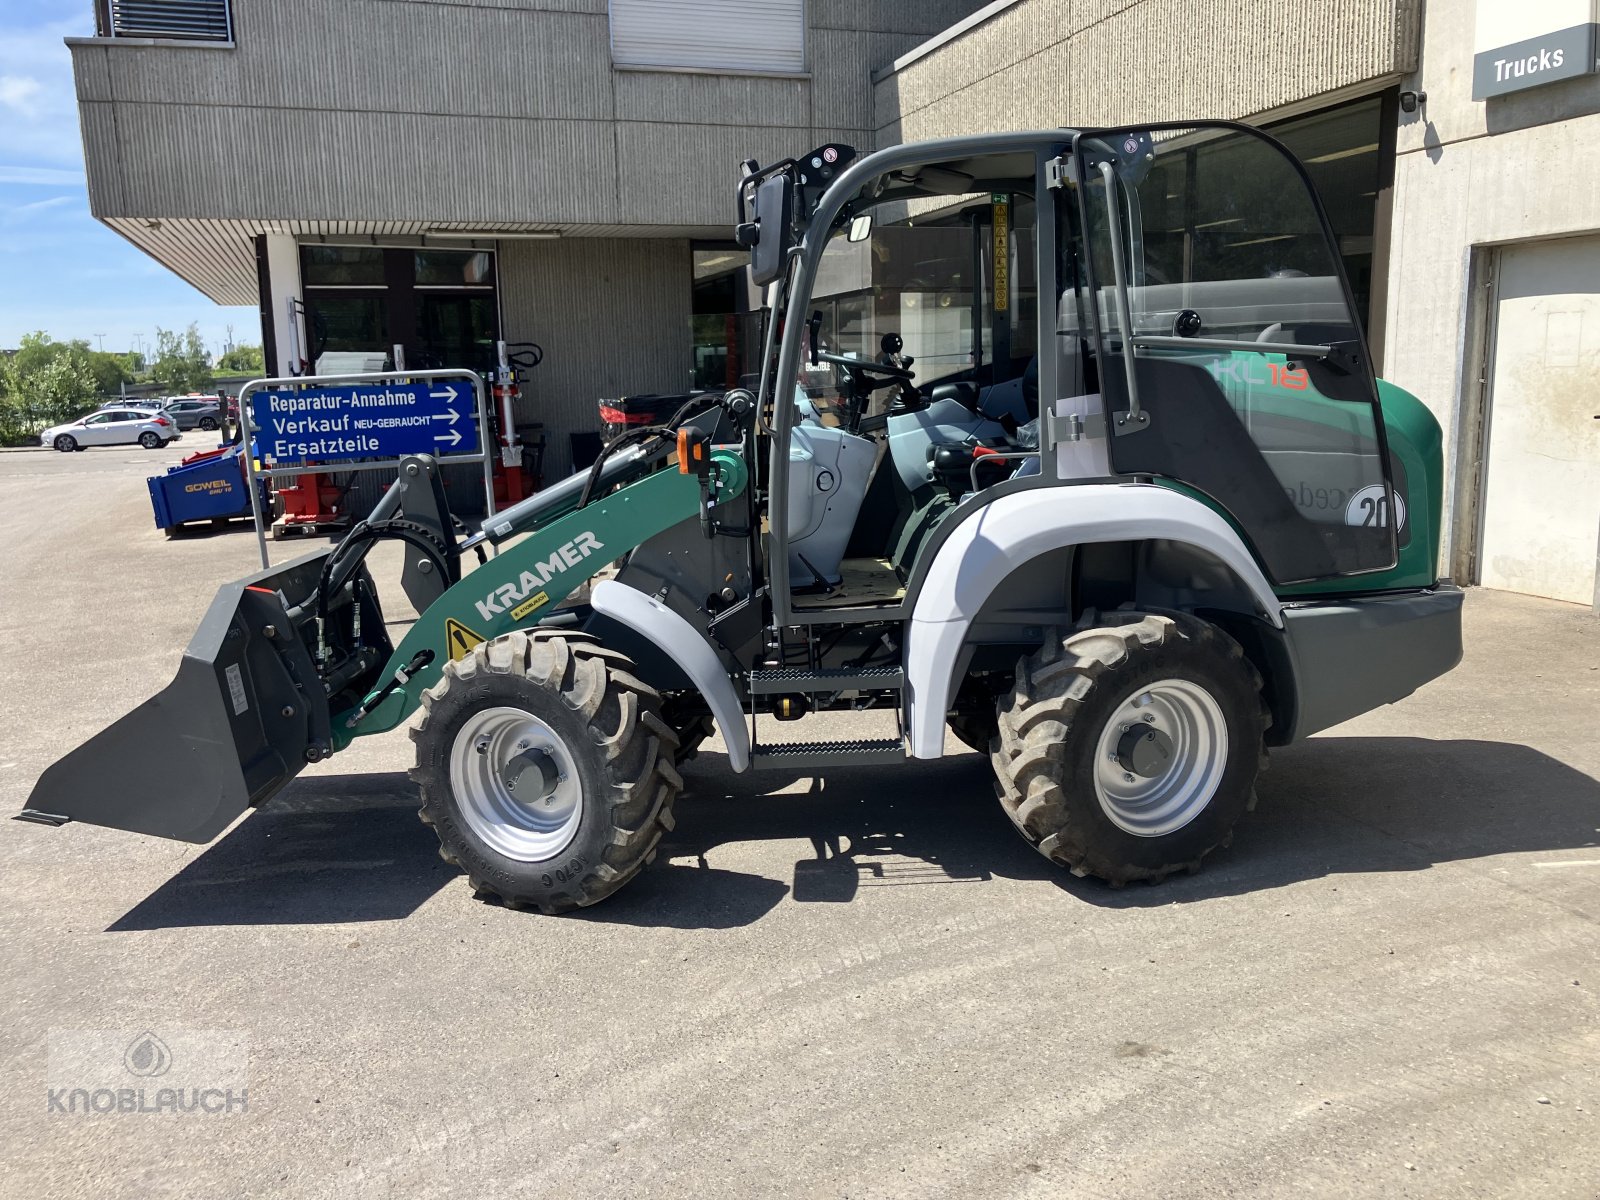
x=527, y=579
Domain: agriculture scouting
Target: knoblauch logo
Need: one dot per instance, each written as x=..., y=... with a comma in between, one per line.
x=147, y=1056
x=205, y=1075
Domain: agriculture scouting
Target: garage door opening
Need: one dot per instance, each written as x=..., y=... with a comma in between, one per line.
x=1539, y=506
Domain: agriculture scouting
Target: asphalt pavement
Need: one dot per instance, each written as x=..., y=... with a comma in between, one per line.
x=861, y=986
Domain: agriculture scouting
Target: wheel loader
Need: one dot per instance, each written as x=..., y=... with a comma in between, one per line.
x=1065, y=442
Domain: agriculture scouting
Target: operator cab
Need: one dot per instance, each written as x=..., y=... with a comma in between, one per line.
x=1160, y=304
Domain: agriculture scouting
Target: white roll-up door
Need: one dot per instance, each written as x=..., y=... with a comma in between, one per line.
x=1541, y=502
x=726, y=35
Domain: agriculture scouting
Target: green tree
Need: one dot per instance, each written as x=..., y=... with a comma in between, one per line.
x=242, y=360
x=181, y=363
x=43, y=383
x=109, y=371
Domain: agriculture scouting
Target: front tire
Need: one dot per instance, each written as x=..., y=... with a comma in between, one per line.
x=1130, y=750
x=66, y=443
x=545, y=769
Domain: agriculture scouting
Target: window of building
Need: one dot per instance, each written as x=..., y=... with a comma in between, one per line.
x=341, y=266
x=438, y=305
x=731, y=36
x=722, y=325
x=454, y=268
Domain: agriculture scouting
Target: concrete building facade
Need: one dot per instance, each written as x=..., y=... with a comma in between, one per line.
x=588, y=149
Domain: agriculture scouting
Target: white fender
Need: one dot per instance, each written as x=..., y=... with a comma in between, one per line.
x=1011, y=530
x=686, y=646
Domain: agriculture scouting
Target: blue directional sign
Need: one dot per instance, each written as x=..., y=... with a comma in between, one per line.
x=379, y=420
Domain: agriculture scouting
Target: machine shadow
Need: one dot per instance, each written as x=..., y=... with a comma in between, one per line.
x=330, y=848
x=350, y=848
x=1327, y=806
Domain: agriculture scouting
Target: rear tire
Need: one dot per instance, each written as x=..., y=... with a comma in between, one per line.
x=66, y=443
x=208, y=423
x=150, y=441
x=577, y=704
x=1084, y=782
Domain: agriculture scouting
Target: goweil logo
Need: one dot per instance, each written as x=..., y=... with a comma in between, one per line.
x=564, y=559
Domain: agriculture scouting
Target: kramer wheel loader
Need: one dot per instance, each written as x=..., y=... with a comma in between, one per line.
x=1067, y=442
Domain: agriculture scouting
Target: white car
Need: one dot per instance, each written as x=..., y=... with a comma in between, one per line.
x=112, y=427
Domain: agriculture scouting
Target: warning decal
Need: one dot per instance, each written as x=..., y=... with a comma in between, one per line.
x=460, y=639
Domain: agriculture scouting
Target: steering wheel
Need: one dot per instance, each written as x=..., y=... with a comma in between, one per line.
x=864, y=364
x=861, y=389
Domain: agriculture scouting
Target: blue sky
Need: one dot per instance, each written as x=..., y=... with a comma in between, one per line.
x=60, y=269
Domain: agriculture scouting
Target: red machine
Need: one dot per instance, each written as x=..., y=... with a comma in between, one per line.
x=310, y=505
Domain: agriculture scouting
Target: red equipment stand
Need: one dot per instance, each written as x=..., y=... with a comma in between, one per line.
x=310, y=506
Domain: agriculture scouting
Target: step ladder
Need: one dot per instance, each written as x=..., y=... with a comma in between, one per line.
x=829, y=681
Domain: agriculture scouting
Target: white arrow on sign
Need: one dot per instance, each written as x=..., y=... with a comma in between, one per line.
x=452, y=416
x=452, y=437
x=449, y=394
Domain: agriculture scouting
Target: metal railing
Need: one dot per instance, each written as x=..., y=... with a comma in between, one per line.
x=198, y=20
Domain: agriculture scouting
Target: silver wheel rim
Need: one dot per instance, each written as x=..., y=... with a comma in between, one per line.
x=483, y=767
x=1175, y=720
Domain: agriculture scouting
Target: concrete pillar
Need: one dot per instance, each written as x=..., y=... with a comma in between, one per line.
x=281, y=264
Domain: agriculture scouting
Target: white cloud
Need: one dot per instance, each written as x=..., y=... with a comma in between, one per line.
x=38, y=103
x=47, y=176
x=25, y=212
x=20, y=92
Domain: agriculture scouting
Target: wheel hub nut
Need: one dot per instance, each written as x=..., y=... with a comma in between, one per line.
x=1144, y=751
x=532, y=776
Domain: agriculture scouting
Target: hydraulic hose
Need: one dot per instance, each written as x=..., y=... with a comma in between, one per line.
x=642, y=434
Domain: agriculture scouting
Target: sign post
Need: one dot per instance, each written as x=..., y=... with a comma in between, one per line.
x=334, y=419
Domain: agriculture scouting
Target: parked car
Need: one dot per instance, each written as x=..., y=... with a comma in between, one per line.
x=195, y=412
x=149, y=405
x=112, y=427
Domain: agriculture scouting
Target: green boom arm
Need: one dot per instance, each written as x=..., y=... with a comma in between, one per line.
x=520, y=585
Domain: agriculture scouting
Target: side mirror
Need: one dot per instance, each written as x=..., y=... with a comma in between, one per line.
x=860, y=227
x=774, y=229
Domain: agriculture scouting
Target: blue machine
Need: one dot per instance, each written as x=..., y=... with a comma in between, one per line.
x=206, y=487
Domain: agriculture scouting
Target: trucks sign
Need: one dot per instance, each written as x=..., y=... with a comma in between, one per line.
x=380, y=420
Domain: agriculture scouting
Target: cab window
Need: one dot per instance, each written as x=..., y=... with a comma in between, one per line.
x=1248, y=360
x=948, y=282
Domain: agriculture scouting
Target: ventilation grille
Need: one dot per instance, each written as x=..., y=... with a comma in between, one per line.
x=710, y=35
x=207, y=20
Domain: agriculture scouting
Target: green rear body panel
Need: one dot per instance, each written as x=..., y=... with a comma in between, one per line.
x=1417, y=442
x=1415, y=445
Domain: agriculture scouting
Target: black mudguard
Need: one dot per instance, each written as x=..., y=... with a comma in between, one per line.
x=245, y=713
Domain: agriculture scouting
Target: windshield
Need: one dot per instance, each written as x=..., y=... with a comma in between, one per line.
x=948, y=282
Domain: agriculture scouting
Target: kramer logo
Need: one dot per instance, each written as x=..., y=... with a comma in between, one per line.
x=510, y=595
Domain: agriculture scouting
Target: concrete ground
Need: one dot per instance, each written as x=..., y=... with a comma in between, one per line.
x=868, y=986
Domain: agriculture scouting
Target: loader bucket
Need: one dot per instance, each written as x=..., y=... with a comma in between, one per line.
x=243, y=716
